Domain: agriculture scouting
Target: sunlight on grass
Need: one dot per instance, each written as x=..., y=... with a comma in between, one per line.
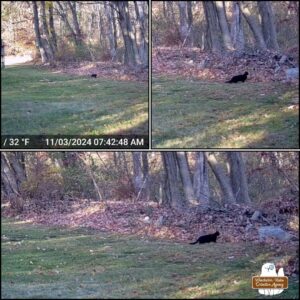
x=41, y=262
x=35, y=101
x=137, y=121
x=220, y=287
x=204, y=115
x=22, y=222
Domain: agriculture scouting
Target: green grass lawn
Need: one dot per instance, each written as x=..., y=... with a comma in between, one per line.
x=38, y=101
x=40, y=262
x=197, y=114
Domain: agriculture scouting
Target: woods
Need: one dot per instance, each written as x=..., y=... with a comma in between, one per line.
x=73, y=30
x=230, y=25
x=179, y=180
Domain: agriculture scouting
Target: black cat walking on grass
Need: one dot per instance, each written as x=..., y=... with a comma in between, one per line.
x=238, y=78
x=207, y=238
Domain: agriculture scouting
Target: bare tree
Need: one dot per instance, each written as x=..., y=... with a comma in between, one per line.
x=254, y=25
x=173, y=196
x=237, y=173
x=73, y=8
x=62, y=12
x=48, y=40
x=137, y=172
x=12, y=171
x=51, y=26
x=84, y=157
x=228, y=196
x=38, y=37
x=237, y=31
x=132, y=58
x=200, y=181
x=112, y=41
x=186, y=177
x=101, y=26
x=184, y=28
x=224, y=25
x=13, y=175
x=146, y=175
x=141, y=32
x=268, y=24
x=213, y=38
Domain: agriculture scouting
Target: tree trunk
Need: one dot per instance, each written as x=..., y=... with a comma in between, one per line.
x=115, y=31
x=132, y=58
x=12, y=172
x=190, y=21
x=101, y=27
x=254, y=25
x=112, y=46
x=51, y=26
x=146, y=176
x=237, y=31
x=170, y=11
x=268, y=24
x=48, y=41
x=173, y=196
x=164, y=9
x=200, y=182
x=116, y=159
x=237, y=173
x=140, y=32
x=63, y=15
x=213, y=38
x=137, y=172
x=12, y=176
x=223, y=180
x=38, y=37
x=72, y=5
x=17, y=162
x=275, y=159
x=184, y=26
x=82, y=157
x=186, y=178
x=224, y=25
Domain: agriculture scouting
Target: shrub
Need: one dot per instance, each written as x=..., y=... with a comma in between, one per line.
x=77, y=184
x=43, y=185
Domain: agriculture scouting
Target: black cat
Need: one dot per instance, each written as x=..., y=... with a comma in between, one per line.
x=238, y=78
x=207, y=238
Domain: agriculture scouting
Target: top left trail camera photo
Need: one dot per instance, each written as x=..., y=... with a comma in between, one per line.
x=74, y=75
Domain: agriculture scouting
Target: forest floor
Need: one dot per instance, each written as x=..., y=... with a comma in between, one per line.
x=55, y=262
x=42, y=102
x=191, y=113
x=193, y=107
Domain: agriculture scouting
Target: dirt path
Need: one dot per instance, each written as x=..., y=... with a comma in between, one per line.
x=13, y=60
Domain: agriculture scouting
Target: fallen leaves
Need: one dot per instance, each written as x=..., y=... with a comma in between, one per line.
x=104, y=70
x=193, y=62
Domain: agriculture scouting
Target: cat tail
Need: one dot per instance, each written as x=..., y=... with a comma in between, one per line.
x=194, y=243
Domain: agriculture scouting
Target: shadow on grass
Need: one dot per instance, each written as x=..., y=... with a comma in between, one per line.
x=41, y=262
x=35, y=101
x=193, y=114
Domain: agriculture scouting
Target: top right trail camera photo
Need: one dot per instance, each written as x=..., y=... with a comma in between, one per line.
x=225, y=74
